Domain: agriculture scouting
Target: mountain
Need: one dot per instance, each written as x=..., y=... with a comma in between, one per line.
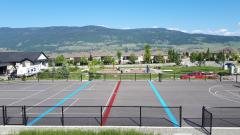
x=96, y=37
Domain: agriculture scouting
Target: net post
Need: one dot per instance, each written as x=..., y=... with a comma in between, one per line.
x=62, y=118
x=101, y=122
x=140, y=116
x=3, y=115
x=203, y=116
x=180, y=117
x=135, y=76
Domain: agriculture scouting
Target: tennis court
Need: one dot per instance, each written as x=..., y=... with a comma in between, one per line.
x=171, y=103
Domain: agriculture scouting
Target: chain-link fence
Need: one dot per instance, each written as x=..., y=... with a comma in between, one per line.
x=90, y=116
x=54, y=76
x=220, y=117
x=207, y=120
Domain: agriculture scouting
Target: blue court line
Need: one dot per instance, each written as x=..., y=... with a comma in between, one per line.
x=59, y=103
x=163, y=103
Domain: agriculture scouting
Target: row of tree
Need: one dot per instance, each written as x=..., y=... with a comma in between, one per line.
x=220, y=57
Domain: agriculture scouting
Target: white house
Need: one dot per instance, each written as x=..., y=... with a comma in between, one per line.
x=22, y=63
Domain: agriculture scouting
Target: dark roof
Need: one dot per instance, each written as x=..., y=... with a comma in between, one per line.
x=19, y=56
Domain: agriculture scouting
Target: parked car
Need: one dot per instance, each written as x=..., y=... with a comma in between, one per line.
x=199, y=75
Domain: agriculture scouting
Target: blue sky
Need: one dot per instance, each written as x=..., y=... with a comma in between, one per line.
x=206, y=16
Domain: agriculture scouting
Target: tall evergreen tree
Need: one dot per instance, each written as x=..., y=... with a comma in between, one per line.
x=147, y=54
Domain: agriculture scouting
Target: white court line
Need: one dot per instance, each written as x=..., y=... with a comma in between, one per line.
x=56, y=98
x=216, y=92
x=20, y=90
x=51, y=96
x=109, y=98
x=224, y=98
x=71, y=104
x=64, y=113
x=29, y=96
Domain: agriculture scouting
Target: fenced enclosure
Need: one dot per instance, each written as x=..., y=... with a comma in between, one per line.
x=220, y=117
x=90, y=116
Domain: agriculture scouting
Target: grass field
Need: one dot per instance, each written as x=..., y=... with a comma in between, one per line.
x=81, y=132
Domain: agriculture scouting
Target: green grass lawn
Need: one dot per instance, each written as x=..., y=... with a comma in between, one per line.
x=81, y=132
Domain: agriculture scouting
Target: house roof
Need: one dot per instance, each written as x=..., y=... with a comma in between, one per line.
x=19, y=56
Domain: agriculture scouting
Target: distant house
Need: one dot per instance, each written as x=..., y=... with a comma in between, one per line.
x=22, y=63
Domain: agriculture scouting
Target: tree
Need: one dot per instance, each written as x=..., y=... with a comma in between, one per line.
x=132, y=58
x=200, y=58
x=158, y=58
x=171, y=55
x=221, y=58
x=107, y=60
x=174, y=56
x=90, y=57
x=113, y=63
x=147, y=54
x=119, y=56
x=193, y=57
x=208, y=55
x=60, y=60
x=83, y=61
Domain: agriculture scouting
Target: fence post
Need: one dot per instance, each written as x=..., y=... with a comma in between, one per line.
x=38, y=77
x=67, y=77
x=24, y=116
x=135, y=76
x=180, y=117
x=159, y=77
x=220, y=77
x=104, y=77
x=101, y=116
x=81, y=77
x=52, y=76
x=236, y=77
x=174, y=75
x=89, y=76
x=140, y=116
x=150, y=76
x=63, y=115
x=203, y=116
x=211, y=119
x=3, y=115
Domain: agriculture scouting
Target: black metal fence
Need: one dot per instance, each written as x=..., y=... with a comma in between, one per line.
x=220, y=117
x=90, y=115
x=206, y=120
x=52, y=76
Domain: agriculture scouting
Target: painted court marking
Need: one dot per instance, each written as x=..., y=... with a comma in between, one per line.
x=163, y=103
x=82, y=87
x=110, y=103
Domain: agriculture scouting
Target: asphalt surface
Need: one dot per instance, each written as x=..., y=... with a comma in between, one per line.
x=190, y=95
